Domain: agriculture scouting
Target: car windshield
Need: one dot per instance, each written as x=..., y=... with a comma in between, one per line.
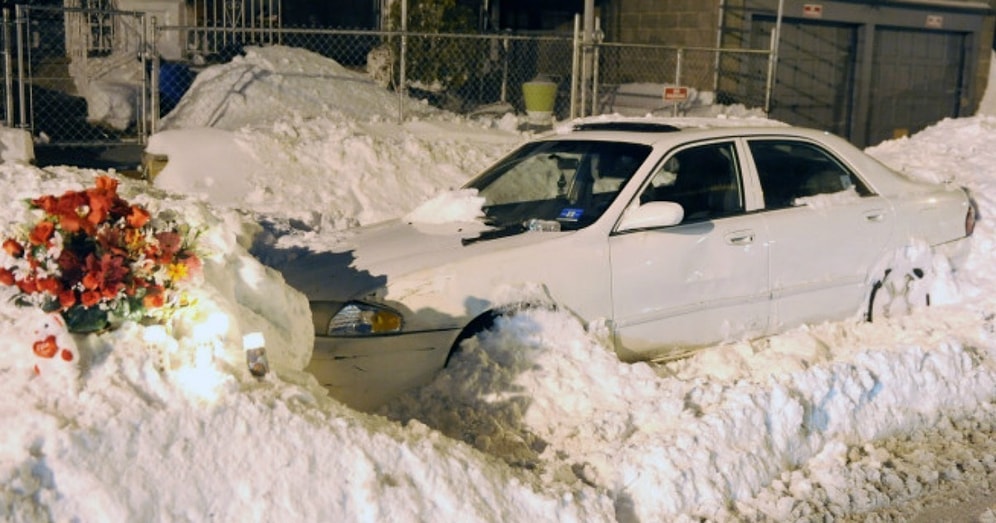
x=557, y=185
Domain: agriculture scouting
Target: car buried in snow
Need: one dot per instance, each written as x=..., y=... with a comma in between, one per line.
x=673, y=237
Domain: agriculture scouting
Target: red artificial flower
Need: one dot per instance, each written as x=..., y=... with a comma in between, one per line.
x=27, y=285
x=66, y=208
x=193, y=264
x=13, y=247
x=6, y=277
x=42, y=232
x=46, y=348
x=111, y=240
x=67, y=261
x=67, y=355
x=67, y=298
x=50, y=285
x=90, y=298
x=169, y=245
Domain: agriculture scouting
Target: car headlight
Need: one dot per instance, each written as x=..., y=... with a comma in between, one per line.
x=354, y=319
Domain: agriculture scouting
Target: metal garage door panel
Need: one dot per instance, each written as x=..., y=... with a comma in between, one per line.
x=916, y=81
x=815, y=74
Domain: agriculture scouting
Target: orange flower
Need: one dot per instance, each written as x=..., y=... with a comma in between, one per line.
x=45, y=203
x=6, y=277
x=70, y=222
x=134, y=240
x=13, y=247
x=91, y=280
x=102, y=199
x=154, y=299
x=137, y=216
x=106, y=183
x=66, y=208
x=42, y=232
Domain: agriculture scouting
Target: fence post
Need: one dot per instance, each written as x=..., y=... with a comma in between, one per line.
x=8, y=70
x=575, y=60
x=596, y=45
x=504, y=70
x=773, y=58
x=677, y=75
x=22, y=96
x=153, y=90
x=402, y=80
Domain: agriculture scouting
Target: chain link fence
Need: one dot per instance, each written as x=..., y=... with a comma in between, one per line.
x=75, y=75
x=468, y=74
x=80, y=75
x=460, y=73
x=630, y=78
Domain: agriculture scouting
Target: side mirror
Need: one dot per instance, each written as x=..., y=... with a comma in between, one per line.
x=650, y=215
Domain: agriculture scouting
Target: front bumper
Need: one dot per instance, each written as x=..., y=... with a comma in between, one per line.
x=365, y=372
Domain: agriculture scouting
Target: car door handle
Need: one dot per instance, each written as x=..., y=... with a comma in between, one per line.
x=875, y=216
x=740, y=238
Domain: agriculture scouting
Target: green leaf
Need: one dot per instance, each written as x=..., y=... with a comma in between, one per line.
x=85, y=319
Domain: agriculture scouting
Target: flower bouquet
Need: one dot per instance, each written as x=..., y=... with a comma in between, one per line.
x=98, y=260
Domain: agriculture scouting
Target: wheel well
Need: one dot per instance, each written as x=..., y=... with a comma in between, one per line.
x=916, y=273
x=476, y=326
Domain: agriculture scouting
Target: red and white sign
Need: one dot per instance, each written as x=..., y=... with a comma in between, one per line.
x=934, y=21
x=675, y=94
x=812, y=10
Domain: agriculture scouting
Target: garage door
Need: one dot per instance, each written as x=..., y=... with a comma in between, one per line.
x=916, y=81
x=815, y=73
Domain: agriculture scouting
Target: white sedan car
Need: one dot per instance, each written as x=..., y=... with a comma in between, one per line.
x=674, y=238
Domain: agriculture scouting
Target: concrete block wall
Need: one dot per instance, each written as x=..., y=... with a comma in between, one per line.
x=689, y=23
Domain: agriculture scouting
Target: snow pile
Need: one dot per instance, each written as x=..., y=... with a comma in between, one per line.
x=16, y=146
x=279, y=80
x=537, y=420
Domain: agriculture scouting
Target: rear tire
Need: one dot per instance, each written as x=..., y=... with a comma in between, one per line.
x=897, y=294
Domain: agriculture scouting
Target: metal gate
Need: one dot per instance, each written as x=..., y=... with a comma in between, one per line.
x=80, y=76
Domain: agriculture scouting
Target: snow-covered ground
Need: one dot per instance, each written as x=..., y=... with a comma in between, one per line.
x=536, y=421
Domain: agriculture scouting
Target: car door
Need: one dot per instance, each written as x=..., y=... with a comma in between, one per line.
x=826, y=229
x=700, y=281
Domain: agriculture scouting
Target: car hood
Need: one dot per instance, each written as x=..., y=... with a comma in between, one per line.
x=368, y=257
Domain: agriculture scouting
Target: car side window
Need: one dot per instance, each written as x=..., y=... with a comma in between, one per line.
x=791, y=170
x=704, y=180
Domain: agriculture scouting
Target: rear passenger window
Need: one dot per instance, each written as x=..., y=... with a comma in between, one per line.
x=790, y=171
